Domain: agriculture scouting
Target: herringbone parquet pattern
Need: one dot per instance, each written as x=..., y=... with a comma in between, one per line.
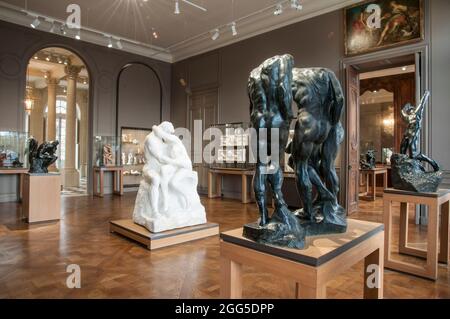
x=33, y=259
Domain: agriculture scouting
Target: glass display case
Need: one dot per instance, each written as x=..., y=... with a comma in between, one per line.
x=132, y=154
x=13, y=147
x=234, y=150
x=105, y=151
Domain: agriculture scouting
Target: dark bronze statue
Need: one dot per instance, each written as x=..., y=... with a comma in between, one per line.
x=368, y=160
x=407, y=171
x=315, y=146
x=270, y=95
x=41, y=157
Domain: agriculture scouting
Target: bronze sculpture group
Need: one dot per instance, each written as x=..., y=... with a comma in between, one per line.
x=272, y=88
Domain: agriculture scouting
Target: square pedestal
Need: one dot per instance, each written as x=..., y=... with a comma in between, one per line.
x=41, y=197
x=437, y=248
x=128, y=228
x=312, y=268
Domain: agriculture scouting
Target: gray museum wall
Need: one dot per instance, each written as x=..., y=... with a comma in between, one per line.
x=104, y=64
x=314, y=42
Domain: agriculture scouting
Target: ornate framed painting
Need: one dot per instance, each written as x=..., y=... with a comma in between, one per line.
x=379, y=24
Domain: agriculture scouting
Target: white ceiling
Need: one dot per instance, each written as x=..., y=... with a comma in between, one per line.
x=179, y=36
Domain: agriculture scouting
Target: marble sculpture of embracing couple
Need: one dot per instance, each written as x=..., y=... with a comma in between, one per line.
x=167, y=196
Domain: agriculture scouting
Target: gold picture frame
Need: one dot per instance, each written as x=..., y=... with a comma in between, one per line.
x=402, y=23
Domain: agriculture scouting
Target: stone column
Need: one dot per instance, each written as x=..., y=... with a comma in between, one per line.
x=51, y=112
x=83, y=103
x=71, y=174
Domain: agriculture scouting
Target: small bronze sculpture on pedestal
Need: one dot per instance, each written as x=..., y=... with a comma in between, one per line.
x=407, y=171
x=368, y=160
x=41, y=157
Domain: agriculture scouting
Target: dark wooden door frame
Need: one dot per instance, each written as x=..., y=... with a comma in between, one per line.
x=421, y=48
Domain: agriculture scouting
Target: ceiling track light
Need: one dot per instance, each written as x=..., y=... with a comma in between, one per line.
x=78, y=35
x=295, y=4
x=177, y=7
x=62, y=29
x=233, y=29
x=110, y=44
x=36, y=22
x=278, y=10
x=119, y=44
x=215, y=34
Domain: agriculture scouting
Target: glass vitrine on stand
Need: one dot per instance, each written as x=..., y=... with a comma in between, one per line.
x=132, y=155
x=234, y=149
x=13, y=147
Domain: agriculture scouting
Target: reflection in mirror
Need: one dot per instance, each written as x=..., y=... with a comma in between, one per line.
x=377, y=123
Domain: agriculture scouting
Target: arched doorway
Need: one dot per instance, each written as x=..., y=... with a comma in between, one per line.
x=57, y=108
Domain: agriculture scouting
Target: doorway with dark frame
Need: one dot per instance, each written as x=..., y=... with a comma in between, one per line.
x=377, y=89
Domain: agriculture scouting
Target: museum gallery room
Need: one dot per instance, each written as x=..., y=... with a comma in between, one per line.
x=224, y=149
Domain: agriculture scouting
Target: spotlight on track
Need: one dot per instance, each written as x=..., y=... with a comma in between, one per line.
x=36, y=22
x=119, y=44
x=233, y=29
x=295, y=4
x=63, y=29
x=177, y=7
x=78, y=35
x=278, y=10
x=110, y=44
x=215, y=34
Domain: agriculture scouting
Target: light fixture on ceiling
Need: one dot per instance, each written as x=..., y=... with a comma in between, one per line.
x=46, y=75
x=62, y=29
x=36, y=22
x=295, y=4
x=60, y=61
x=404, y=68
x=177, y=7
x=66, y=62
x=78, y=35
x=233, y=29
x=119, y=44
x=215, y=34
x=278, y=10
x=48, y=58
x=35, y=57
x=154, y=34
x=110, y=44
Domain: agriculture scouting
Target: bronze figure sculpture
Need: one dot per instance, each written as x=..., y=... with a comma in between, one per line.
x=315, y=146
x=368, y=160
x=41, y=157
x=270, y=95
x=408, y=173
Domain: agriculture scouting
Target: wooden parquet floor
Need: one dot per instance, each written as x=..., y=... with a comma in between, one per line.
x=33, y=259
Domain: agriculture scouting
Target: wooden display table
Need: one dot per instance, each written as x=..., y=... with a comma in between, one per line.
x=371, y=174
x=436, y=202
x=20, y=172
x=42, y=197
x=99, y=173
x=218, y=174
x=312, y=268
x=131, y=230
